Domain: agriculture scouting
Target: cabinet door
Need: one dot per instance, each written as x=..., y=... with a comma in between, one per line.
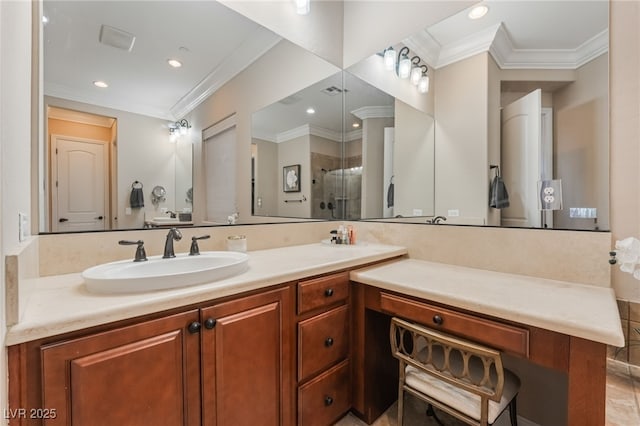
x=246, y=368
x=143, y=374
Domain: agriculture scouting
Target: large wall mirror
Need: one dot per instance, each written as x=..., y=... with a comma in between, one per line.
x=373, y=148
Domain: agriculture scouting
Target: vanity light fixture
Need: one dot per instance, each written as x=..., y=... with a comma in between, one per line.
x=101, y=84
x=303, y=7
x=179, y=128
x=407, y=68
x=478, y=12
x=404, y=63
x=389, y=56
x=174, y=63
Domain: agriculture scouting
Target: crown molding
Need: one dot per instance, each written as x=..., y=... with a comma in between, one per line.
x=260, y=41
x=309, y=129
x=374, y=112
x=497, y=41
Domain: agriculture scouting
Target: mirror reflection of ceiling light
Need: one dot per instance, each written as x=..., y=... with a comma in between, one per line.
x=355, y=125
x=303, y=7
x=179, y=128
x=311, y=111
x=478, y=12
x=100, y=84
x=45, y=19
x=174, y=63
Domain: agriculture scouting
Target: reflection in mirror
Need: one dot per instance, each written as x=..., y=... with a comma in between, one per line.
x=341, y=156
x=153, y=77
x=493, y=77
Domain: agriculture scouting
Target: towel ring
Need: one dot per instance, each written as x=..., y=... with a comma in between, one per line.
x=136, y=185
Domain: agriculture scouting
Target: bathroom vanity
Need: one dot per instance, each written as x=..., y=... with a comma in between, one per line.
x=300, y=338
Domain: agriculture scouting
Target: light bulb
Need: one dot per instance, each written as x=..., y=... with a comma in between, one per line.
x=303, y=7
x=390, y=59
x=423, y=84
x=416, y=73
x=183, y=130
x=404, y=68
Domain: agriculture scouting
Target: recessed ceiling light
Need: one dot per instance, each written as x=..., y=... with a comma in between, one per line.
x=311, y=111
x=174, y=63
x=478, y=12
x=355, y=125
x=100, y=84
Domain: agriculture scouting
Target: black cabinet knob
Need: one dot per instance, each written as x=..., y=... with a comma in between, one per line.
x=437, y=319
x=328, y=400
x=209, y=323
x=328, y=292
x=194, y=327
x=329, y=342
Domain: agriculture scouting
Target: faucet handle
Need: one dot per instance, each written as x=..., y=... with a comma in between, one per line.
x=141, y=255
x=195, y=250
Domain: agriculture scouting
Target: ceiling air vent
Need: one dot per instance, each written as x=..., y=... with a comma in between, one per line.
x=116, y=38
x=333, y=90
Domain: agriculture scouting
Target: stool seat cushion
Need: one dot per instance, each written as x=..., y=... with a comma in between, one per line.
x=458, y=398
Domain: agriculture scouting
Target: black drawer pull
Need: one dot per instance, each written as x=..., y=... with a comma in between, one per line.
x=329, y=342
x=328, y=292
x=437, y=319
x=328, y=401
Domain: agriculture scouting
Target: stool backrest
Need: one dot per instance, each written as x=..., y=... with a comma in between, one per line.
x=448, y=358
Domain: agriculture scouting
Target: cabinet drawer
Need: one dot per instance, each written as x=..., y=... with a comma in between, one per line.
x=322, y=341
x=492, y=333
x=326, y=398
x=323, y=291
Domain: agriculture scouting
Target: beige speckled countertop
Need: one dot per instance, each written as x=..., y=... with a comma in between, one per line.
x=60, y=304
x=584, y=311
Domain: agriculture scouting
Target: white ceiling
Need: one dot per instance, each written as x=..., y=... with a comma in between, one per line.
x=220, y=43
x=213, y=43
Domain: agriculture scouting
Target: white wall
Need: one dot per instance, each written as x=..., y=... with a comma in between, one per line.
x=581, y=149
x=15, y=143
x=413, y=161
x=373, y=165
x=461, y=103
x=144, y=153
x=266, y=175
x=291, y=152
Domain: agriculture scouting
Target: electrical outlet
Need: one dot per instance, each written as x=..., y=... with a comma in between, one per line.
x=23, y=226
x=127, y=211
x=453, y=213
x=417, y=212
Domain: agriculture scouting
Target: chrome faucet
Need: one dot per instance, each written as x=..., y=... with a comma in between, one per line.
x=437, y=219
x=173, y=234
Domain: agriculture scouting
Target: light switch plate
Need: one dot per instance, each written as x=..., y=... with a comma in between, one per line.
x=23, y=226
x=453, y=213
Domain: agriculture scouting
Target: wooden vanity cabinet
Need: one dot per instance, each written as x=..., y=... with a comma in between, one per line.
x=323, y=329
x=147, y=373
x=246, y=364
x=229, y=363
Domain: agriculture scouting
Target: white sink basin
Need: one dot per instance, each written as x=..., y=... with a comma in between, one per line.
x=157, y=273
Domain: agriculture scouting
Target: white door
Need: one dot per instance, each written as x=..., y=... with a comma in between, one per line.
x=220, y=172
x=521, y=160
x=80, y=184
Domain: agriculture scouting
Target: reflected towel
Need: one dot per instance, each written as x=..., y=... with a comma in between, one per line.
x=390, y=195
x=498, y=195
x=136, y=200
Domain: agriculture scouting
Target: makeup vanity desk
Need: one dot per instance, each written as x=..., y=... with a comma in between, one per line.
x=555, y=324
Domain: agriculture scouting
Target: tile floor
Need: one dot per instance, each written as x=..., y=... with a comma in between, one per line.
x=623, y=404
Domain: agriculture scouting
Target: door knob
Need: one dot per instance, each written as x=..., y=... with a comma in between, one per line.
x=63, y=219
x=99, y=218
